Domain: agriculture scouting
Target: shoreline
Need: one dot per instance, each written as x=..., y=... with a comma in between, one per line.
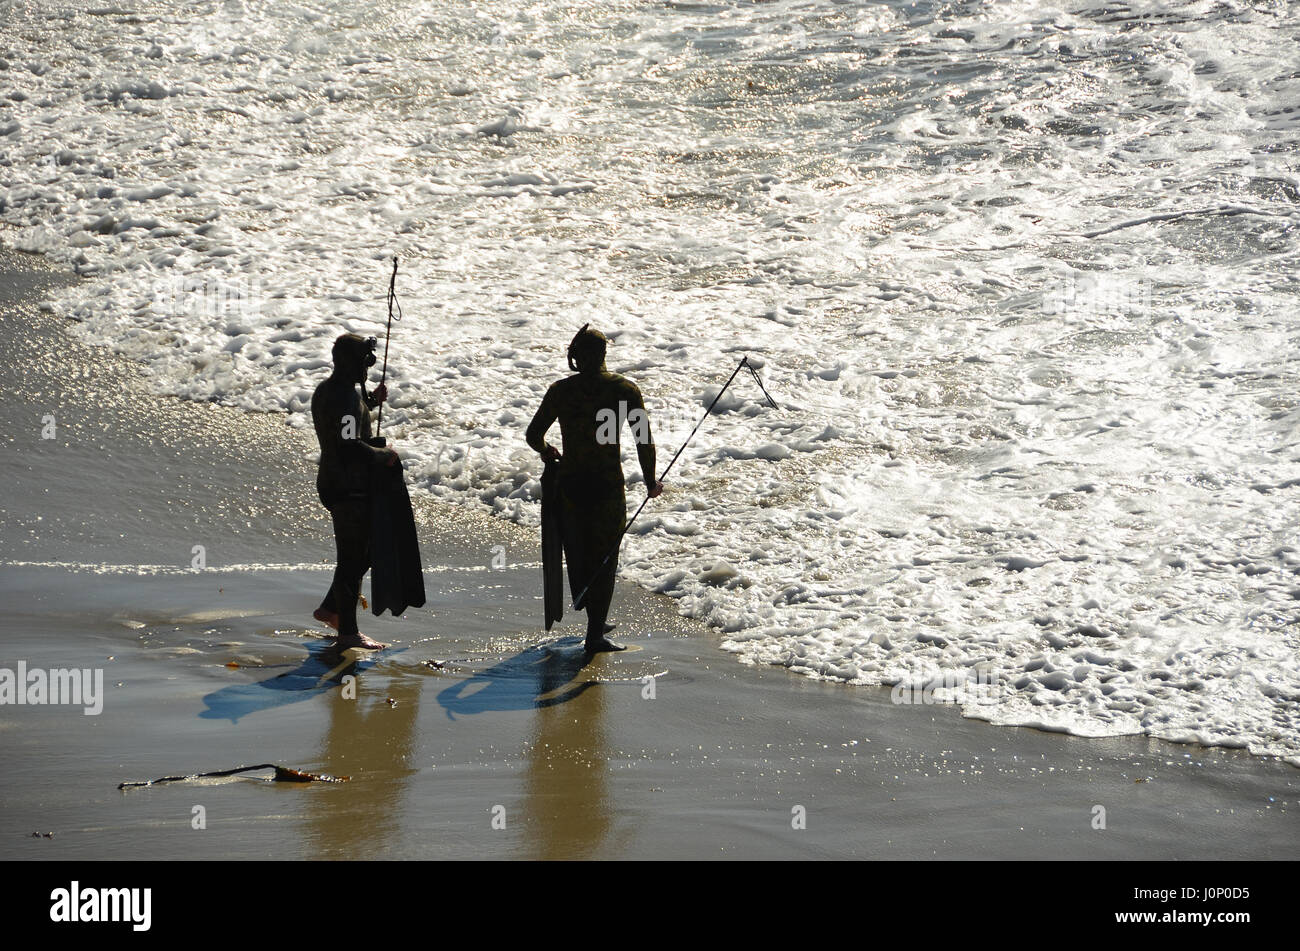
x=711, y=765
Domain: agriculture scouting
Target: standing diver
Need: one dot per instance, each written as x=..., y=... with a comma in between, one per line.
x=591, y=406
x=341, y=416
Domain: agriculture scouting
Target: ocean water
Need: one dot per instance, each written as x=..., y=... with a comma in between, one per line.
x=1022, y=278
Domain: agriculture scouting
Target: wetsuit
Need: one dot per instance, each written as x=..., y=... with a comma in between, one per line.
x=343, y=482
x=591, y=475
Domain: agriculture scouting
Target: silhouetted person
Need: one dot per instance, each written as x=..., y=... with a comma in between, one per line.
x=592, y=406
x=341, y=416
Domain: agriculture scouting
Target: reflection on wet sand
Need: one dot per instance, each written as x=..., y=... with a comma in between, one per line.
x=565, y=810
x=371, y=738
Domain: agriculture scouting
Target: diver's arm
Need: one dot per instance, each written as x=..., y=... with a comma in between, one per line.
x=335, y=410
x=645, y=443
x=542, y=421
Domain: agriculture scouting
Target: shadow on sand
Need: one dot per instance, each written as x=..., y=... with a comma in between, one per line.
x=324, y=668
x=526, y=681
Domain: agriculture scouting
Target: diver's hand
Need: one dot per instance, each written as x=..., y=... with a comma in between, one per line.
x=550, y=453
x=391, y=458
x=655, y=490
x=378, y=395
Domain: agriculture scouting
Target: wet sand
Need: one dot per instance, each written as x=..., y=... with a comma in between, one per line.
x=477, y=714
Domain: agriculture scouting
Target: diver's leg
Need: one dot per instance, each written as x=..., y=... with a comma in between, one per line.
x=575, y=520
x=607, y=525
x=328, y=611
x=347, y=579
x=354, y=560
x=602, y=593
x=576, y=563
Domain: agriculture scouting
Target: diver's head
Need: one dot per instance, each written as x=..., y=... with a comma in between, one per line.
x=587, y=350
x=354, y=355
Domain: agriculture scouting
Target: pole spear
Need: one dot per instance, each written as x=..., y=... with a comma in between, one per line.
x=392, y=300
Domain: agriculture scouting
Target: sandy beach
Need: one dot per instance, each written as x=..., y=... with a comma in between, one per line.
x=478, y=735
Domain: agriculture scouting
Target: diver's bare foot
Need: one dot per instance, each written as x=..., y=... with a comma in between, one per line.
x=359, y=640
x=601, y=645
x=328, y=618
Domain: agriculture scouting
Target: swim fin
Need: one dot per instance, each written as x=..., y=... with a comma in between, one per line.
x=396, y=570
x=552, y=544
